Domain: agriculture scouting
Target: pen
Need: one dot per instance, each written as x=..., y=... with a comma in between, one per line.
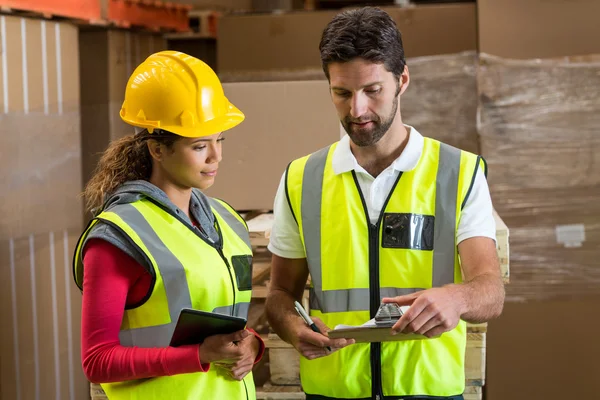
x=307, y=319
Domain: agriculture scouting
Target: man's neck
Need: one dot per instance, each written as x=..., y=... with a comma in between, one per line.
x=376, y=158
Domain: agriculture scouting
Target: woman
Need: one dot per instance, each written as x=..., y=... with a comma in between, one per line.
x=157, y=244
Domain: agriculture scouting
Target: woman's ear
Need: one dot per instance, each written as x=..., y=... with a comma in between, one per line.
x=156, y=150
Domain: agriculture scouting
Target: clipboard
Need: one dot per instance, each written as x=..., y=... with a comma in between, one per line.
x=193, y=326
x=373, y=334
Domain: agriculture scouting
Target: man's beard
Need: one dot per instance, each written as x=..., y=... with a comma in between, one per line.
x=364, y=137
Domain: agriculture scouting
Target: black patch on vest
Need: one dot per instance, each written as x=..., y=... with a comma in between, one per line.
x=242, y=265
x=408, y=231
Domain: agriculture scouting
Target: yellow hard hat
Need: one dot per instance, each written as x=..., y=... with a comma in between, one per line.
x=178, y=93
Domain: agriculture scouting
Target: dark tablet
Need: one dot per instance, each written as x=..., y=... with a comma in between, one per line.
x=194, y=326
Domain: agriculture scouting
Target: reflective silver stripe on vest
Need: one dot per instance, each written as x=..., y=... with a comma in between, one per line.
x=349, y=299
x=238, y=227
x=312, y=193
x=172, y=273
x=239, y=310
x=444, y=234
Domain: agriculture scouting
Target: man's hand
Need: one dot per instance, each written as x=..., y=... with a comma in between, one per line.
x=432, y=311
x=312, y=344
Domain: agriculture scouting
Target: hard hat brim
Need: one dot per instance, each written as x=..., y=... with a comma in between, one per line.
x=232, y=118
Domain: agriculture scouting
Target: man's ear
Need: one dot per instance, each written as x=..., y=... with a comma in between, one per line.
x=404, y=81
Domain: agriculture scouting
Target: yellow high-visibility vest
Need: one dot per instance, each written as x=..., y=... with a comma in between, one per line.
x=354, y=264
x=188, y=271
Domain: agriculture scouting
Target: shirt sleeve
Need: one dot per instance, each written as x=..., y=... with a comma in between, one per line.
x=285, y=236
x=109, y=276
x=477, y=218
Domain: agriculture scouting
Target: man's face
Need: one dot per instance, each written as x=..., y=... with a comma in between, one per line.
x=366, y=97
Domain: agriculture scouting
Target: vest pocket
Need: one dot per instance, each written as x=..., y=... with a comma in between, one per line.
x=408, y=231
x=242, y=265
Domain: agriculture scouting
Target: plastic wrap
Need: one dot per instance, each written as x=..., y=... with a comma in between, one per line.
x=539, y=126
x=441, y=100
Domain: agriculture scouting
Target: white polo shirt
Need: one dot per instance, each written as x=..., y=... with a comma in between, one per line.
x=476, y=217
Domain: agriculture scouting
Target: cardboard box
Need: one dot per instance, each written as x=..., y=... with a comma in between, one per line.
x=291, y=40
x=108, y=57
x=284, y=121
x=544, y=350
x=538, y=28
x=41, y=211
x=39, y=129
x=40, y=345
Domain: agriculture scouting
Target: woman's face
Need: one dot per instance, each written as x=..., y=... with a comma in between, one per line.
x=191, y=162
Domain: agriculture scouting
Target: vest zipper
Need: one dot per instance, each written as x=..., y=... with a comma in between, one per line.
x=376, y=386
x=374, y=287
x=220, y=251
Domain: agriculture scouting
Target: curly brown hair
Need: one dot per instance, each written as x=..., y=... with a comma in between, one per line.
x=125, y=159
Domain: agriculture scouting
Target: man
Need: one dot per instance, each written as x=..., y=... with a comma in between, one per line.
x=381, y=215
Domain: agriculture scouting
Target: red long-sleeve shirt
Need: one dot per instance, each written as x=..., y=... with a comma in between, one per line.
x=112, y=281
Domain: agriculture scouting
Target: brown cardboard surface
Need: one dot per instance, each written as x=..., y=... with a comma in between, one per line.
x=14, y=64
x=291, y=40
x=538, y=28
x=40, y=165
x=94, y=98
x=69, y=51
x=35, y=78
x=292, y=119
x=40, y=171
x=108, y=57
x=40, y=342
x=544, y=350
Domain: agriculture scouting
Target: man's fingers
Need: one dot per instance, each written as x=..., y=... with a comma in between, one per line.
x=429, y=325
x=422, y=319
x=311, y=355
x=436, y=331
x=314, y=338
x=405, y=300
x=322, y=327
x=409, y=316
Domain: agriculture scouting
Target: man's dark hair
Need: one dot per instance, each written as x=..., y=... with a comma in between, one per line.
x=368, y=33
